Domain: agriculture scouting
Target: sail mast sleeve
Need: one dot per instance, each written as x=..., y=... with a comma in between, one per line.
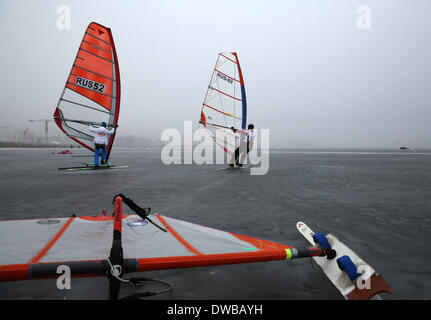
x=118, y=95
x=116, y=257
x=243, y=100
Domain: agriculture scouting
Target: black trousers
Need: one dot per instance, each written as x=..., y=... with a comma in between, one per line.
x=243, y=148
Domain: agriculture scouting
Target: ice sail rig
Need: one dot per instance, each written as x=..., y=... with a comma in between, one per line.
x=93, y=246
x=84, y=244
x=225, y=103
x=115, y=245
x=92, y=90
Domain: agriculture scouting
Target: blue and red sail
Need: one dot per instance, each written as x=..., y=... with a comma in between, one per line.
x=225, y=103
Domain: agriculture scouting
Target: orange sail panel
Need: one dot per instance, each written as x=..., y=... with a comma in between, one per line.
x=92, y=90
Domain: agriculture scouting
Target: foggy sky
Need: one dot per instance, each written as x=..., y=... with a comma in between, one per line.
x=311, y=76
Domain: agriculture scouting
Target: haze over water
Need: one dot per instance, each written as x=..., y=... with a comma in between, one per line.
x=314, y=75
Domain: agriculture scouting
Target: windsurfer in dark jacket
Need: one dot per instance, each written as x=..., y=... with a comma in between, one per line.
x=100, y=141
x=245, y=146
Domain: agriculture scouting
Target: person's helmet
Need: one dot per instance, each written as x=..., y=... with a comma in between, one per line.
x=250, y=126
x=104, y=124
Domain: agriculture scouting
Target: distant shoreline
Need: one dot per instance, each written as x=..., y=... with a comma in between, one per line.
x=31, y=145
x=5, y=145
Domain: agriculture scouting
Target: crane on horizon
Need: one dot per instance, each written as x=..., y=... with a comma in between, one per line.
x=46, y=125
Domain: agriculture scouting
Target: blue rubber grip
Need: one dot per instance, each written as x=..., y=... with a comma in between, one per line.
x=346, y=264
x=320, y=238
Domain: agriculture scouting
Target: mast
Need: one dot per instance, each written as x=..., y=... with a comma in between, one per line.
x=244, y=99
x=118, y=95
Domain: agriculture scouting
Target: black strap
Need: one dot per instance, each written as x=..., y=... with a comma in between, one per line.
x=142, y=212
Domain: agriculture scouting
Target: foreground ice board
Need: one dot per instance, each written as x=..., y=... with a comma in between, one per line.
x=367, y=285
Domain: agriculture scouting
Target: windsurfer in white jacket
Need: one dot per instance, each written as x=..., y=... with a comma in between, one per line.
x=100, y=142
x=245, y=146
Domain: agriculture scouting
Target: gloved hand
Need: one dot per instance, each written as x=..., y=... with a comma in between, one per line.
x=233, y=129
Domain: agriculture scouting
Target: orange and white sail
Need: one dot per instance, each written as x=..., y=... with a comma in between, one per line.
x=115, y=245
x=92, y=90
x=84, y=243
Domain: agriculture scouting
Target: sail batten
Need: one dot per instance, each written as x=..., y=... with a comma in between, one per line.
x=76, y=66
x=227, y=58
x=83, y=105
x=92, y=90
x=95, y=54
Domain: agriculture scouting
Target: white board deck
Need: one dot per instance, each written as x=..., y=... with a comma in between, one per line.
x=330, y=267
